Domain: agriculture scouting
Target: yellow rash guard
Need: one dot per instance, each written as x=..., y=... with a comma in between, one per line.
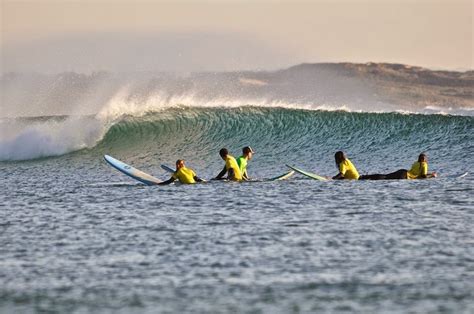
x=231, y=163
x=418, y=170
x=185, y=175
x=347, y=169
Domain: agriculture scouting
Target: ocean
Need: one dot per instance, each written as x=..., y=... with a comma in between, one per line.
x=77, y=236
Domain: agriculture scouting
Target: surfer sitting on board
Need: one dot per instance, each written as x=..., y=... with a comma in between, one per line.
x=231, y=167
x=247, y=154
x=345, y=167
x=419, y=170
x=183, y=174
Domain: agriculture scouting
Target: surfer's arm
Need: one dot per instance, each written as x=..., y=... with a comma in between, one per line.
x=221, y=174
x=231, y=175
x=429, y=175
x=169, y=181
x=198, y=179
x=245, y=176
x=424, y=174
x=342, y=170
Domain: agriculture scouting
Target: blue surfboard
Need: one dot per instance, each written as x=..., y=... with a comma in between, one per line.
x=131, y=171
x=167, y=169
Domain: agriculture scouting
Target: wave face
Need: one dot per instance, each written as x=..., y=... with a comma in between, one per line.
x=279, y=135
x=288, y=133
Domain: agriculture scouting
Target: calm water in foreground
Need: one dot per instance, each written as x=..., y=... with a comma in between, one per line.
x=70, y=244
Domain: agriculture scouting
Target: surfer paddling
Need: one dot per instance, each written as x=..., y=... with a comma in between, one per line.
x=231, y=167
x=247, y=154
x=347, y=171
x=419, y=170
x=183, y=174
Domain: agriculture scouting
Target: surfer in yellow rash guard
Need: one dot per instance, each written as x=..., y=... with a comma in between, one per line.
x=419, y=170
x=346, y=168
x=183, y=174
x=231, y=167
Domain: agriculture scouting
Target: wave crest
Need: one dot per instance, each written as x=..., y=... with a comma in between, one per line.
x=137, y=127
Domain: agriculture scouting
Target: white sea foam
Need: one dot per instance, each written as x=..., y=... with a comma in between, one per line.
x=123, y=103
x=48, y=138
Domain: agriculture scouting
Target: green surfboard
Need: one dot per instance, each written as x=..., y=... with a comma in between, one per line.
x=308, y=174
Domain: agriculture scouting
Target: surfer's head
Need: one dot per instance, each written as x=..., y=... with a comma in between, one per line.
x=179, y=164
x=223, y=152
x=247, y=151
x=339, y=157
x=422, y=157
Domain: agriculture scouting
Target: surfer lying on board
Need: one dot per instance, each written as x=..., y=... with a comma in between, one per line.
x=247, y=154
x=231, y=167
x=419, y=170
x=346, y=168
x=183, y=174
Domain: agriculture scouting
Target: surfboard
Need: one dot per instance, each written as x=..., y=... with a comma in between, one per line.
x=308, y=174
x=131, y=171
x=281, y=177
x=167, y=169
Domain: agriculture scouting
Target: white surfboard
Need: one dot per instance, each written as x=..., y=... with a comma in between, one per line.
x=131, y=171
x=308, y=174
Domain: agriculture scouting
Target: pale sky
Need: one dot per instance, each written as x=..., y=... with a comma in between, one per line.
x=84, y=36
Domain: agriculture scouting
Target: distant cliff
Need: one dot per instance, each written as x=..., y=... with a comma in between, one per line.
x=399, y=84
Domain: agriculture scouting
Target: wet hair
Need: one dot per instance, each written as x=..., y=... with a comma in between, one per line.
x=246, y=150
x=339, y=157
x=179, y=161
x=422, y=157
x=223, y=152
